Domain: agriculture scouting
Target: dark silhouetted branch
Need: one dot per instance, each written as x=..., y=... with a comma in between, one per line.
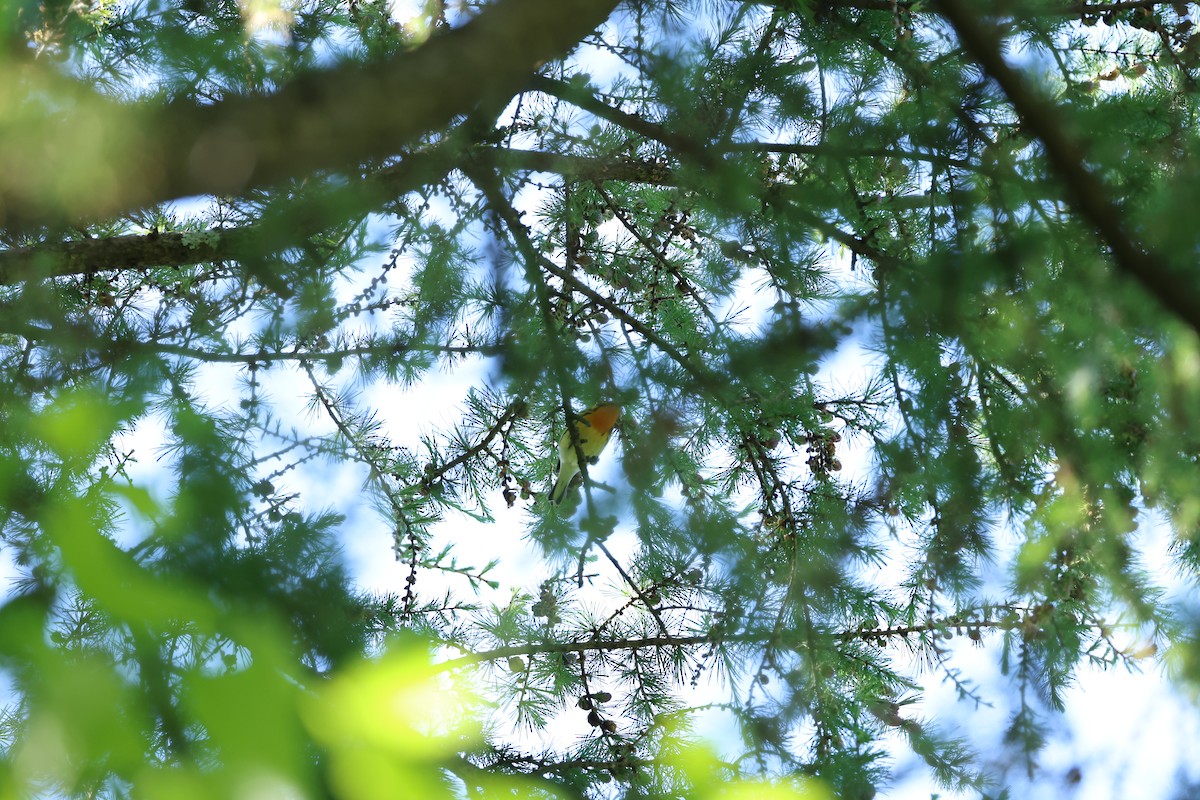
x=1066, y=152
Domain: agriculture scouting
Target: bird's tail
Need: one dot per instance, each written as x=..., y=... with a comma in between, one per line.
x=561, y=485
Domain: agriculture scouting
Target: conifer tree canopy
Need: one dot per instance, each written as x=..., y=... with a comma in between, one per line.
x=299, y=299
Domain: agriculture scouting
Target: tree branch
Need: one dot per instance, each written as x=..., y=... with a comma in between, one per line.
x=108, y=157
x=582, y=98
x=416, y=170
x=1068, y=9
x=1066, y=152
x=1003, y=617
x=264, y=357
x=304, y=216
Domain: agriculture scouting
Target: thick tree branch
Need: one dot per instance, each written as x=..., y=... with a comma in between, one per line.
x=134, y=251
x=1066, y=151
x=1066, y=9
x=304, y=216
x=106, y=158
x=80, y=257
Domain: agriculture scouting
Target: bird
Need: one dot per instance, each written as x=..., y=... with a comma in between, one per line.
x=594, y=428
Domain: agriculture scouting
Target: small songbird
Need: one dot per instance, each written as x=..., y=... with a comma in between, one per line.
x=594, y=428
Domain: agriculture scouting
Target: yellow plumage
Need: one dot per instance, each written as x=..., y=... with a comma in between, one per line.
x=594, y=428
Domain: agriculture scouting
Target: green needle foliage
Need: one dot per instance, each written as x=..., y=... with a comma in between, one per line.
x=898, y=299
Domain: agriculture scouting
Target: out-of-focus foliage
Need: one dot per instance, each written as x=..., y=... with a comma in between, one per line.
x=904, y=333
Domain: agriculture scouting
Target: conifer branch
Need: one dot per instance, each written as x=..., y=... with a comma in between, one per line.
x=162, y=249
x=1028, y=619
x=1081, y=9
x=1068, y=154
x=505, y=420
x=579, y=96
x=263, y=357
x=637, y=590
